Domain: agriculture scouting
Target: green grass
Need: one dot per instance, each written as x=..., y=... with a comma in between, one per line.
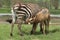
x=53, y=11
x=54, y=33
x=5, y=10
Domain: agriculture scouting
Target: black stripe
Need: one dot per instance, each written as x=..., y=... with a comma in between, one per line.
x=26, y=9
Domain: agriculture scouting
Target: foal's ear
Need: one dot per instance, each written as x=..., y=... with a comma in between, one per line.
x=32, y=19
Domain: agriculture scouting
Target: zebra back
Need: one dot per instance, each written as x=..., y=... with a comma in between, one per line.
x=34, y=8
x=25, y=11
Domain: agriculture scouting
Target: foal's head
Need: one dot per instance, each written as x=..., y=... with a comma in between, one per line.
x=30, y=20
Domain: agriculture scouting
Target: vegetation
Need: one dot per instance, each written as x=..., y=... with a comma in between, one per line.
x=45, y=3
x=53, y=5
x=54, y=33
x=53, y=11
x=5, y=10
x=54, y=30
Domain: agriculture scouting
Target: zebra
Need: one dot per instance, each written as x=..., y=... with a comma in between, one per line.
x=19, y=11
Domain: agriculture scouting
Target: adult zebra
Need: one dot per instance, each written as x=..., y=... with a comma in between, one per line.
x=21, y=12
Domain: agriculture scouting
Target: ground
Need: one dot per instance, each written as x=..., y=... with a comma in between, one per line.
x=54, y=33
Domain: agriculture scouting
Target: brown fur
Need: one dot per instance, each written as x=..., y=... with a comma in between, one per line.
x=42, y=17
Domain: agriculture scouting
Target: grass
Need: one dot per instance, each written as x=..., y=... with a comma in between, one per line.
x=5, y=10
x=53, y=11
x=54, y=33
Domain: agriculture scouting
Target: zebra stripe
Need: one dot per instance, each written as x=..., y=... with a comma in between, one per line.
x=22, y=11
x=26, y=9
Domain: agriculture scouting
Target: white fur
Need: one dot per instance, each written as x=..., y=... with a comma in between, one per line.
x=13, y=15
x=16, y=8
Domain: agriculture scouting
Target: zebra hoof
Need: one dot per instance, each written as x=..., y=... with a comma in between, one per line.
x=11, y=34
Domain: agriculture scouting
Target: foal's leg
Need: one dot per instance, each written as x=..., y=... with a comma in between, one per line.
x=34, y=28
x=47, y=24
x=47, y=27
x=12, y=26
x=41, y=27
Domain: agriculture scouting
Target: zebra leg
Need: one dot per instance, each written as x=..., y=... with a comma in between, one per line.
x=19, y=26
x=34, y=28
x=19, y=29
x=12, y=26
